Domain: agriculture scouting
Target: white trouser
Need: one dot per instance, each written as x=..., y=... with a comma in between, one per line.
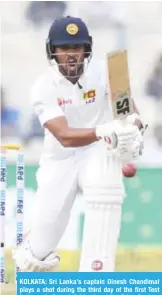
x=58, y=184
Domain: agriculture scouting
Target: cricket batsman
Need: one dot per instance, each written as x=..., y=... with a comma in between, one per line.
x=84, y=150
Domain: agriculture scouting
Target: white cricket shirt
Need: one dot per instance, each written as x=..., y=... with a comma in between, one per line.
x=54, y=96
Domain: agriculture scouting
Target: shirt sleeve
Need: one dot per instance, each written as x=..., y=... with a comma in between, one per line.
x=44, y=102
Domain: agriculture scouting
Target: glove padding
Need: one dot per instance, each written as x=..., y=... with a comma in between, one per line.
x=125, y=138
x=135, y=119
x=134, y=151
x=117, y=134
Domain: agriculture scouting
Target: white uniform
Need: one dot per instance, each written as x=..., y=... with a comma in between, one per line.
x=62, y=170
x=92, y=169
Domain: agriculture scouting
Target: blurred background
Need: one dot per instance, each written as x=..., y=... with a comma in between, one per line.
x=136, y=26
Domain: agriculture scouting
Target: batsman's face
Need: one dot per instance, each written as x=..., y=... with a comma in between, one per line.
x=71, y=60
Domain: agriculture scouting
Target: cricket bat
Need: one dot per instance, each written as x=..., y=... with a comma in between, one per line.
x=119, y=87
x=119, y=84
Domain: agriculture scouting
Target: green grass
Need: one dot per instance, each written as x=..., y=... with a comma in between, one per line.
x=128, y=259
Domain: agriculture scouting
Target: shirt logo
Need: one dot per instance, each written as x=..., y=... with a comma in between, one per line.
x=89, y=96
x=62, y=101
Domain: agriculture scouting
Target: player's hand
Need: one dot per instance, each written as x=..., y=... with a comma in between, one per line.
x=118, y=135
x=130, y=146
x=135, y=119
x=134, y=151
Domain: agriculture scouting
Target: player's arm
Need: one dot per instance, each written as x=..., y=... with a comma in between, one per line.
x=114, y=134
x=70, y=137
x=52, y=117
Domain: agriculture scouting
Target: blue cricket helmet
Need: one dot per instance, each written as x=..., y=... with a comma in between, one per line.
x=68, y=31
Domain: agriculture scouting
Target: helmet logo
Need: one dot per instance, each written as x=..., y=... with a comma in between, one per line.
x=72, y=29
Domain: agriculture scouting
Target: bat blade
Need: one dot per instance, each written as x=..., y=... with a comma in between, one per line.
x=119, y=84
